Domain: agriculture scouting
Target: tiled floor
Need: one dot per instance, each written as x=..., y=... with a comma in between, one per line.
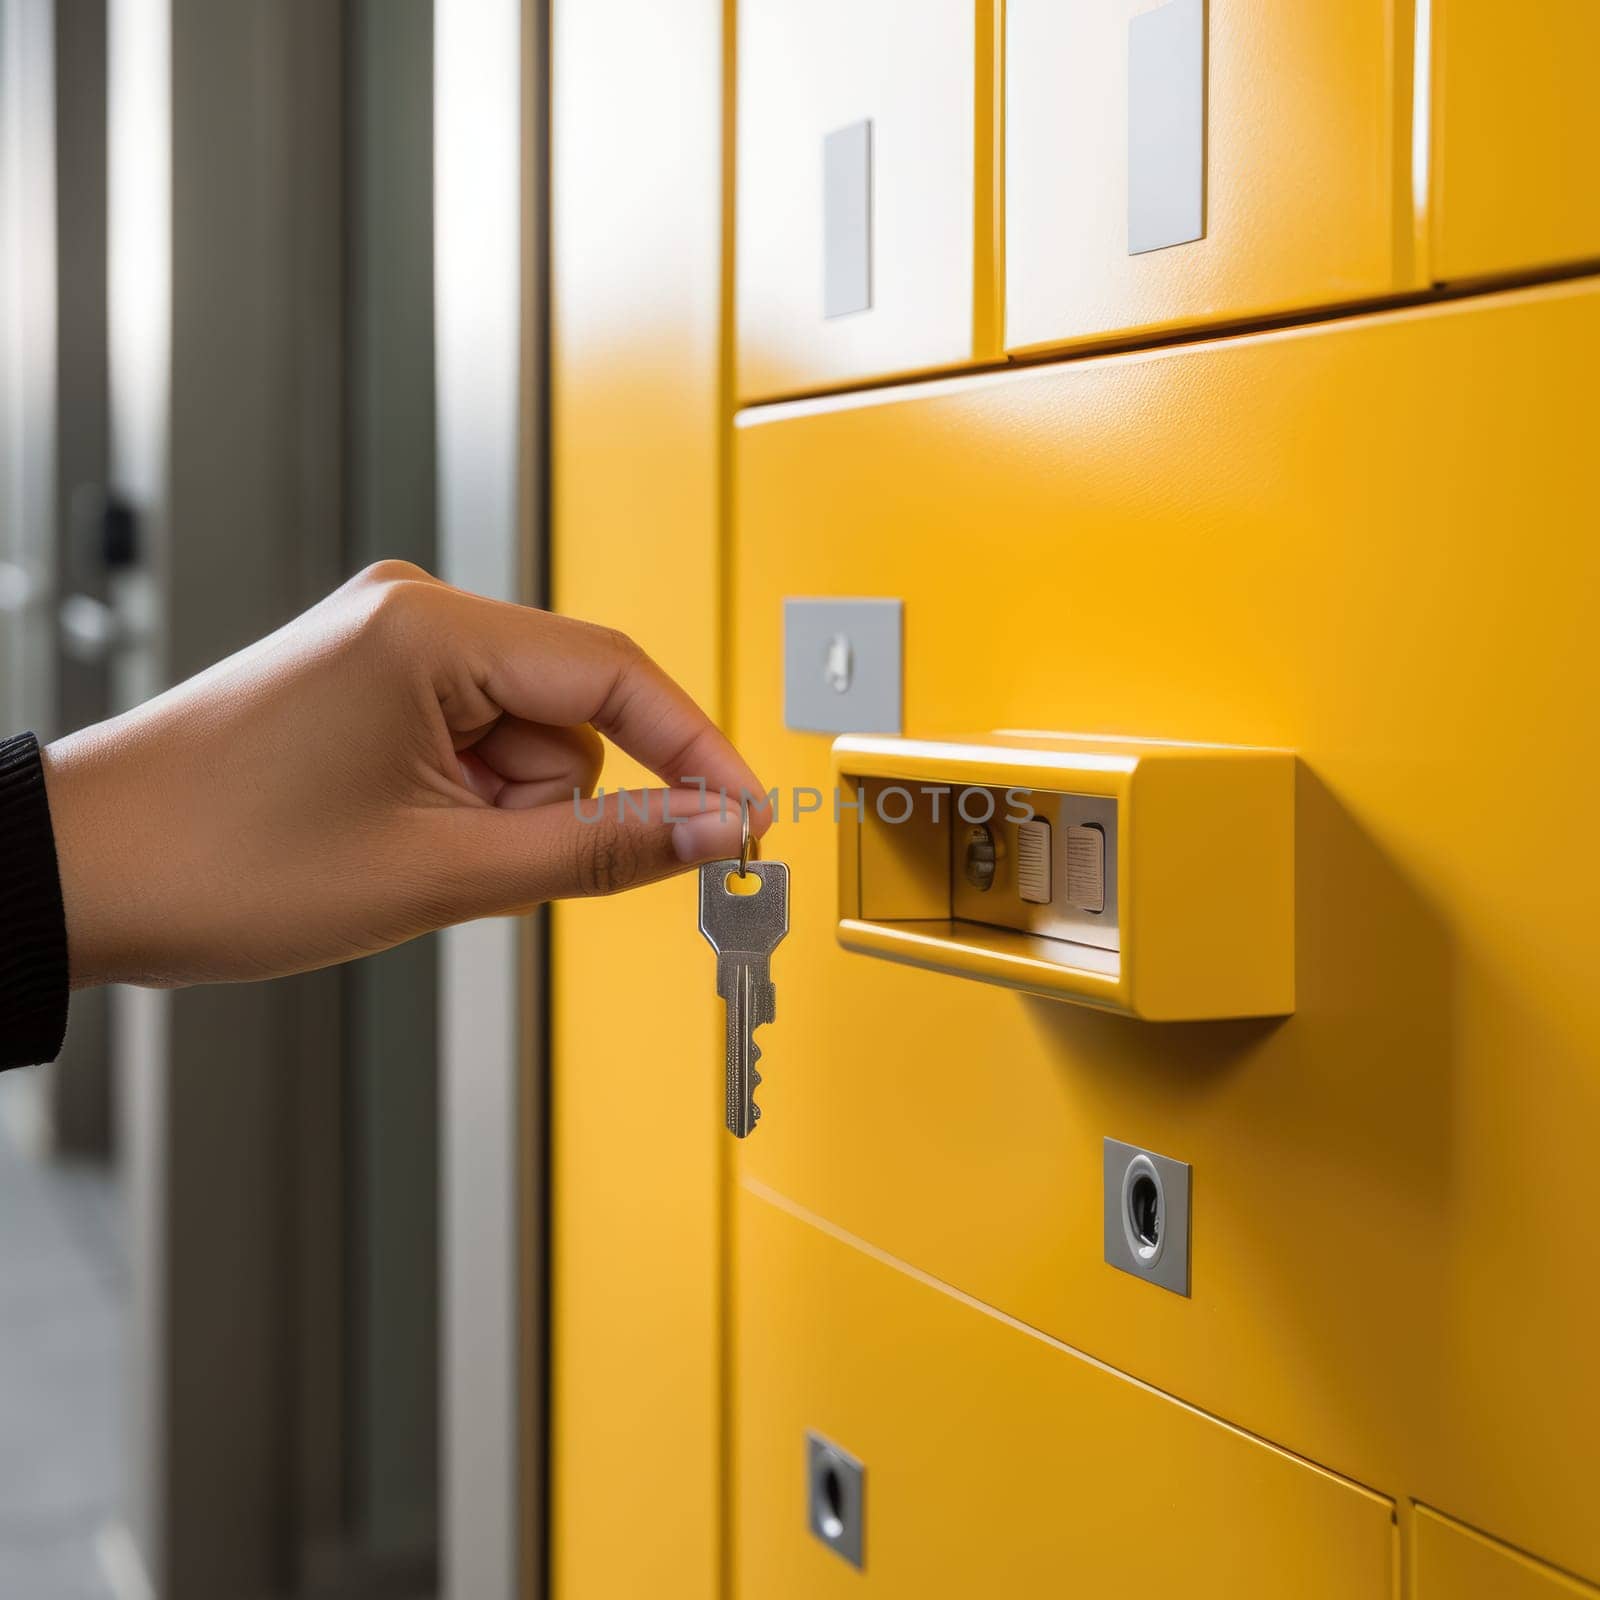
x=62, y=1272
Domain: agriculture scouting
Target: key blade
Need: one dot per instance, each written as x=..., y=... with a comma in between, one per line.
x=744, y=929
x=743, y=1052
x=743, y=1113
x=749, y=1005
x=763, y=1003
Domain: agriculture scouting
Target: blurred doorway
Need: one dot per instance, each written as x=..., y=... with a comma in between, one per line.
x=272, y=431
x=63, y=1266
x=289, y=1233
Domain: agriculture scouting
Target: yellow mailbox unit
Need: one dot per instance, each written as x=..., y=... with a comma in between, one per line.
x=1285, y=467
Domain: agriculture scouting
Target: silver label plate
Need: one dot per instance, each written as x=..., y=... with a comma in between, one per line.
x=842, y=665
x=847, y=220
x=1166, y=126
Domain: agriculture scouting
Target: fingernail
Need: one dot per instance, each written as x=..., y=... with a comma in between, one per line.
x=706, y=838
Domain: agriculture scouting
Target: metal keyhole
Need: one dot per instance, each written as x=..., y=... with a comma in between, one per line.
x=980, y=857
x=838, y=664
x=1144, y=1211
x=832, y=1509
x=836, y=1497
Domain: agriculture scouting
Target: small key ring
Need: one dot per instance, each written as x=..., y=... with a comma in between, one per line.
x=744, y=837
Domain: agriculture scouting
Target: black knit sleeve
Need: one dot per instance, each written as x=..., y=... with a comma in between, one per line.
x=33, y=923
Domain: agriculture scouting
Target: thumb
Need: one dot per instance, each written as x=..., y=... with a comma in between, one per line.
x=583, y=847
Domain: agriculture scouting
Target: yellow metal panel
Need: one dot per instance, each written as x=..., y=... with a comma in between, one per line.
x=1451, y=1562
x=806, y=71
x=638, y=412
x=998, y=1462
x=1308, y=195
x=988, y=184
x=902, y=873
x=1516, y=136
x=1371, y=543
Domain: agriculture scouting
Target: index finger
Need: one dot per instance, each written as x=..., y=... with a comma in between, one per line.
x=561, y=671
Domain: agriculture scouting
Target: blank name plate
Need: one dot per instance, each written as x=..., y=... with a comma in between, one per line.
x=1166, y=126
x=847, y=220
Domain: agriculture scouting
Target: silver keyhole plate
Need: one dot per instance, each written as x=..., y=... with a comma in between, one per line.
x=836, y=1498
x=1147, y=1225
x=842, y=665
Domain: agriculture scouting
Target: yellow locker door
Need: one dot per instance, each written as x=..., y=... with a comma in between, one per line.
x=865, y=154
x=1516, y=132
x=1365, y=542
x=1193, y=162
x=997, y=1462
x=1451, y=1562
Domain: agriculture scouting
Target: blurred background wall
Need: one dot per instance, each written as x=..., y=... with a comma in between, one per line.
x=229, y=1229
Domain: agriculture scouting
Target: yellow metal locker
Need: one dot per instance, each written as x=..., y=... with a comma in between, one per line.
x=1366, y=542
x=998, y=1462
x=875, y=122
x=1516, y=137
x=1456, y=1563
x=1301, y=174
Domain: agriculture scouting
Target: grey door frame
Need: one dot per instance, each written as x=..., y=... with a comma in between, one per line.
x=490, y=102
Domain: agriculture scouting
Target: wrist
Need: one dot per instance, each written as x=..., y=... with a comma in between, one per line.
x=93, y=856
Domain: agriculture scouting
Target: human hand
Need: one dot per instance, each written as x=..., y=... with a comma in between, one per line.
x=401, y=757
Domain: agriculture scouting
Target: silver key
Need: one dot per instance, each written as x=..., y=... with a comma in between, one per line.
x=744, y=930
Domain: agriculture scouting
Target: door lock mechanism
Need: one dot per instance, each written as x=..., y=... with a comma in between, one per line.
x=981, y=855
